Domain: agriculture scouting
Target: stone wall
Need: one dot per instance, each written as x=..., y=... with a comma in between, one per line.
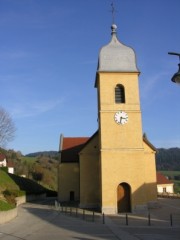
x=6, y=216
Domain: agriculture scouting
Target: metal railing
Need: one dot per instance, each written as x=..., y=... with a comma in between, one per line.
x=123, y=219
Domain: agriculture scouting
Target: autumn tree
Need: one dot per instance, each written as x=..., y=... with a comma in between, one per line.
x=7, y=127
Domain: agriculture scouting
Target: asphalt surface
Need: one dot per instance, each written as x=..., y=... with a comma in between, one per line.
x=41, y=221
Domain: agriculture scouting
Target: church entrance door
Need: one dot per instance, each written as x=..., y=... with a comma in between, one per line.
x=123, y=198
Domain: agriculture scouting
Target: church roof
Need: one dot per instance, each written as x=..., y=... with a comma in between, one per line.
x=2, y=157
x=116, y=57
x=161, y=179
x=70, y=148
x=10, y=164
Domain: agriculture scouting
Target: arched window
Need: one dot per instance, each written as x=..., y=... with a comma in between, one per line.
x=119, y=94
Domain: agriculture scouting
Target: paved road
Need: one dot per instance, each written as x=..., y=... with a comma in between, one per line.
x=41, y=222
x=160, y=222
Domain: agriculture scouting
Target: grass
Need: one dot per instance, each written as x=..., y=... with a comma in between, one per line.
x=5, y=206
x=170, y=173
x=9, y=189
x=7, y=182
x=28, y=160
x=12, y=186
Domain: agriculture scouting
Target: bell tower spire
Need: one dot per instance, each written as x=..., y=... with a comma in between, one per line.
x=121, y=143
x=113, y=12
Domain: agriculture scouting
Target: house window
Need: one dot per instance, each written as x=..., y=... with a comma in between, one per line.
x=164, y=190
x=119, y=94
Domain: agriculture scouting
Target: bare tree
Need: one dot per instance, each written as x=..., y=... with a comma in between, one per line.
x=7, y=127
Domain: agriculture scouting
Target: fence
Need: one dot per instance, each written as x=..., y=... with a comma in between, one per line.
x=84, y=214
x=169, y=195
x=123, y=219
x=128, y=219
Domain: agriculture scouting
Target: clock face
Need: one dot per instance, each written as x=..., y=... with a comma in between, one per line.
x=121, y=117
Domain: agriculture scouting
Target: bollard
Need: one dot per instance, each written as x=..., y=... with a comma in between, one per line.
x=70, y=211
x=127, y=223
x=103, y=218
x=76, y=212
x=83, y=214
x=149, y=219
x=93, y=217
x=171, y=219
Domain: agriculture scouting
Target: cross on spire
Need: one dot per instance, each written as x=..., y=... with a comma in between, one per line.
x=113, y=12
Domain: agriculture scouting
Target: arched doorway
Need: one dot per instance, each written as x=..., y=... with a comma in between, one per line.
x=123, y=198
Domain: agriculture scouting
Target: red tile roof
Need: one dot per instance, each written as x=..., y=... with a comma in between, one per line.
x=10, y=164
x=71, y=146
x=69, y=142
x=2, y=157
x=161, y=179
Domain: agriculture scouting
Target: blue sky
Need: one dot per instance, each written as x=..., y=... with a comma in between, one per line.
x=48, y=60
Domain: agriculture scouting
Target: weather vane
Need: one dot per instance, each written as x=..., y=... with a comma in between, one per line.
x=113, y=12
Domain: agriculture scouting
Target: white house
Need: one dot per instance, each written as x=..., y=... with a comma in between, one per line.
x=4, y=163
x=164, y=185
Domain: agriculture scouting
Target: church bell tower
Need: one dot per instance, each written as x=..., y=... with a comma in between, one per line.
x=118, y=96
x=122, y=155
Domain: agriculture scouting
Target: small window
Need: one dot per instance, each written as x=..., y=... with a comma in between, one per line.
x=71, y=195
x=119, y=94
x=164, y=190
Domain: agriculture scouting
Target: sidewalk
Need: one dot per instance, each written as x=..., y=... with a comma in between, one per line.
x=166, y=215
x=42, y=222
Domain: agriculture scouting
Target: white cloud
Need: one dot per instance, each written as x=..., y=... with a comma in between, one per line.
x=150, y=83
x=16, y=54
x=35, y=108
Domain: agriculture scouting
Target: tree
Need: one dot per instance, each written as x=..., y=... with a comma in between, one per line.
x=37, y=176
x=7, y=127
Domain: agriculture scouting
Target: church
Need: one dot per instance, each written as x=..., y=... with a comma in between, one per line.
x=114, y=169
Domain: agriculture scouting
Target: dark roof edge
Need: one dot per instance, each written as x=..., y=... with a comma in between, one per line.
x=149, y=144
x=89, y=140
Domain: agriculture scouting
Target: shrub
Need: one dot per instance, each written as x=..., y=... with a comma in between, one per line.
x=5, y=169
x=10, y=195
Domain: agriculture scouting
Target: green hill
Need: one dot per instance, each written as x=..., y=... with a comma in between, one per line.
x=168, y=159
x=40, y=167
x=14, y=183
x=52, y=154
x=12, y=186
x=7, y=182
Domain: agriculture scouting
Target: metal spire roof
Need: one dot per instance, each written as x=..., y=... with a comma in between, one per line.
x=116, y=57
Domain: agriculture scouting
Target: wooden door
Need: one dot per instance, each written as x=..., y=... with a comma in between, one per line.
x=123, y=198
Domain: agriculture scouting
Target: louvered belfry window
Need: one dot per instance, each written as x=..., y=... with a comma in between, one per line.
x=119, y=94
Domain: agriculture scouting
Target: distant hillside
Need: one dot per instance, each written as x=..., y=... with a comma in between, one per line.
x=53, y=154
x=168, y=159
x=41, y=168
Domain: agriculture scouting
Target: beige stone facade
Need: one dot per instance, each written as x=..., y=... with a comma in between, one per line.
x=115, y=169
